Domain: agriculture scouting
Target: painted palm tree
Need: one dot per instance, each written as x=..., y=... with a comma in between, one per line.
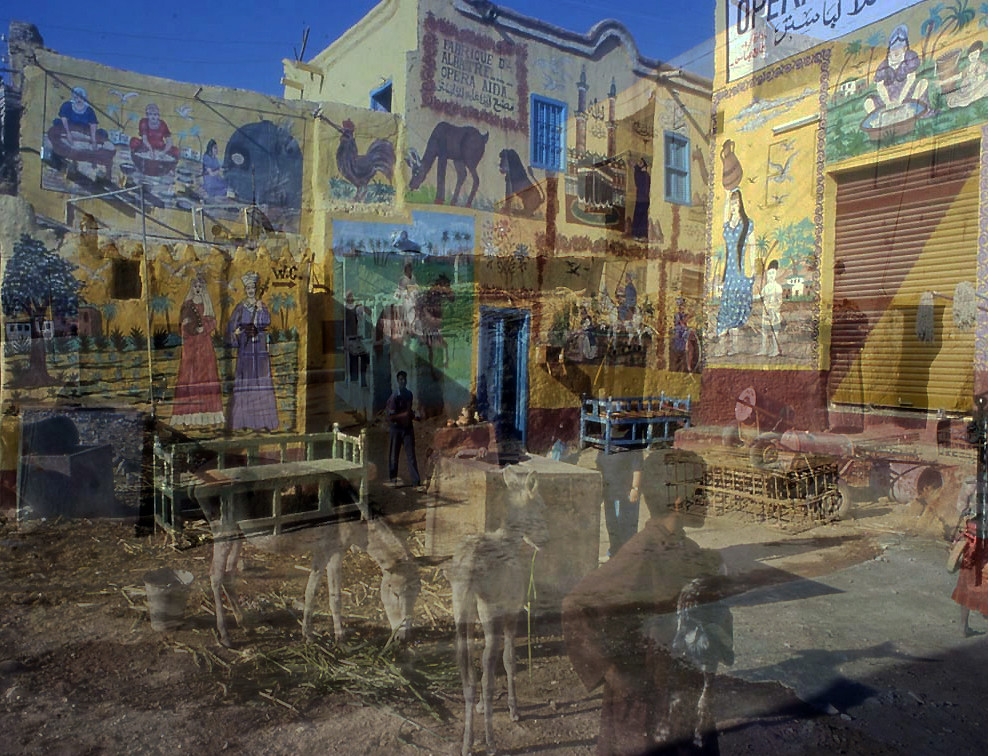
x=853, y=50
x=876, y=41
x=275, y=303
x=956, y=17
x=762, y=249
x=109, y=311
x=931, y=26
x=162, y=305
x=287, y=305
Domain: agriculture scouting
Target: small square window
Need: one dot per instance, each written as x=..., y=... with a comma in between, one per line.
x=548, y=134
x=126, y=279
x=380, y=98
x=677, y=165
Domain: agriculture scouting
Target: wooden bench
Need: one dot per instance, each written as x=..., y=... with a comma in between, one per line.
x=639, y=421
x=226, y=468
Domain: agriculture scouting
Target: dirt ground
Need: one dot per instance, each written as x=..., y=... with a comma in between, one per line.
x=82, y=671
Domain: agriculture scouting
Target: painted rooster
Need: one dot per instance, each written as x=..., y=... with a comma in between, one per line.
x=360, y=169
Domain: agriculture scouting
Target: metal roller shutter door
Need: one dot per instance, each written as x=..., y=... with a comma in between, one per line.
x=904, y=228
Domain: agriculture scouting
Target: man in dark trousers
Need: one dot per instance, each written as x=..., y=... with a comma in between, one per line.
x=401, y=416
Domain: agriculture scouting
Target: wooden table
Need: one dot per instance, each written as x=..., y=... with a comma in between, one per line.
x=227, y=483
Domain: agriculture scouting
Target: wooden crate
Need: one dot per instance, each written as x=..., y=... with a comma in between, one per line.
x=791, y=489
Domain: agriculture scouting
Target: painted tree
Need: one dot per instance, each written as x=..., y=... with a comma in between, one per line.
x=875, y=41
x=931, y=26
x=956, y=17
x=109, y=311
x=797, y=244
x=162, y=305
x=852, y=51
x=983, y=21
x=287, y=305
x=38, y=283
x=275, y=302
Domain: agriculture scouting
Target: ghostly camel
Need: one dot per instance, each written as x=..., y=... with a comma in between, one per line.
x=489, y=577
x=463, y=145
x=327, y=542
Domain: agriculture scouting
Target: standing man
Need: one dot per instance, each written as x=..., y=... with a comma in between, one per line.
x=621, y=473
x=400, y=415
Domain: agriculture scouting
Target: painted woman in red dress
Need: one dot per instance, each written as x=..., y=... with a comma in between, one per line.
x=198, y=399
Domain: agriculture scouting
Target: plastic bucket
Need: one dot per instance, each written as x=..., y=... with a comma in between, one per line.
x=168, y=593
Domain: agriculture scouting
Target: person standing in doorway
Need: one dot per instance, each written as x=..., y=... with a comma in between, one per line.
x=401, y=416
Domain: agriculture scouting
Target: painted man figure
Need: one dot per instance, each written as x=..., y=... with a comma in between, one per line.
x=401, y=416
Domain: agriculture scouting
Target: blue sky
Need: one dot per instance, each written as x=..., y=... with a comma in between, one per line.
x=238, y=44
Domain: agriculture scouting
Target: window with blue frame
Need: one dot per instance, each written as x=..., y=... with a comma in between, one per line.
x=380, y=98
x=548, y=133
x=677, y=165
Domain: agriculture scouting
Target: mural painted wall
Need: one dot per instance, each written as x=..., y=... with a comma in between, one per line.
x=835, y=150
x=915, y=75
x=186, y=151
x=211, y=164
x=763, y=303
x=405, y=300
x=197, y=304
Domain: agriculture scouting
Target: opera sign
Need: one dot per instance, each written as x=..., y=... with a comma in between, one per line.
x=762, y=32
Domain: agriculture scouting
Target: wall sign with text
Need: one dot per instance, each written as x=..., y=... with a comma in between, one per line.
x=762, y=32
x=471, y=76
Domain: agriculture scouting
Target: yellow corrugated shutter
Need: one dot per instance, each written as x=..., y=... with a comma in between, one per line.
x=904, y=228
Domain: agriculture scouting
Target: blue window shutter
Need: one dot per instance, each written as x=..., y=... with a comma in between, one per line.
x=548, y=133
x=677, y=168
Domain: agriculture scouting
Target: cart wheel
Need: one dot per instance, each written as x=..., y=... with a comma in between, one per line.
x=844, y=506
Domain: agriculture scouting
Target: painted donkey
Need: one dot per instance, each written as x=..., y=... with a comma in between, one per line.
x=327, y=543
x=463, y=145
x=489, y=576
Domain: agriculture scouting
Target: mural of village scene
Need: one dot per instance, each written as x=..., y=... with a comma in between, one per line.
x=598, y=312
x=39, y=296
x=762, y=277
x=909, y=79
x=405, y=294
x=186, y=153
x=223, y=343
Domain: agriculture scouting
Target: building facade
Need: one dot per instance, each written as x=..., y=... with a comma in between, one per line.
x=511, y=213
x=854, y=152
x=559, y=177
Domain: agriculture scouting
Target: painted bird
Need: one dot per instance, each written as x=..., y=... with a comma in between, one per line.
x=360, y=169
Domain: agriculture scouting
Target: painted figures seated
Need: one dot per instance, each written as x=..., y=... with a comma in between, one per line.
x=75, y=135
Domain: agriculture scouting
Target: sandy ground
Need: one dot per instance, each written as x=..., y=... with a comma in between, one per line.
x=82, y=672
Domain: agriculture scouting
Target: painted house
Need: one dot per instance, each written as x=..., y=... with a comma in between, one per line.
x=563, y=173
x=873, y=200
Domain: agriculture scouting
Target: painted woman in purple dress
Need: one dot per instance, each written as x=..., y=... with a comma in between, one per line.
x=253, y=405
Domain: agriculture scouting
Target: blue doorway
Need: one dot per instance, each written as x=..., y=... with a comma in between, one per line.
x=502, y=371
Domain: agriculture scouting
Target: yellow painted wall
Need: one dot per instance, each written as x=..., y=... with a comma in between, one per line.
x=371, y=53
